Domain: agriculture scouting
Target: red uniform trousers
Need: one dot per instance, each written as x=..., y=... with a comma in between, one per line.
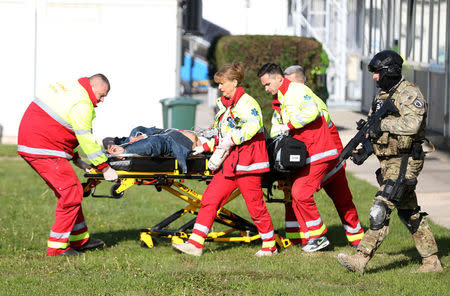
x=69, y=228
x=337, y=189
x=215, y=197
x=306, y=183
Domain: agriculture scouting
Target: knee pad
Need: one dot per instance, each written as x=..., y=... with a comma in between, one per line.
x=378, y=215
x=411, y=218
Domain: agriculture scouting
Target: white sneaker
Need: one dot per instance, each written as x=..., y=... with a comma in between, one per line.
x=262, y=253
x=316, y=244
x=216, y=159
x=188, y=248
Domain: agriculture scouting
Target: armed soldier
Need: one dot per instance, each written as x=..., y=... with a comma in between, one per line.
x=397, y=142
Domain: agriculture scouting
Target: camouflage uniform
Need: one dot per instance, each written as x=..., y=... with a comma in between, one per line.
x=397, y=142
x=399, y=132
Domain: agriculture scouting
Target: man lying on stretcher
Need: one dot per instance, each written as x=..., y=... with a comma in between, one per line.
x=155, y=142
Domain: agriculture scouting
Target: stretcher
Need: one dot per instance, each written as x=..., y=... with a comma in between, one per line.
x=164, y=174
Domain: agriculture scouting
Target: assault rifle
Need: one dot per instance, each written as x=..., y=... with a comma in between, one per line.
x=363, y=127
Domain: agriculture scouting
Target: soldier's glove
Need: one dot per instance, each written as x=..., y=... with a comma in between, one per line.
x=109, y=174
x=375, y=130
x=359, y=157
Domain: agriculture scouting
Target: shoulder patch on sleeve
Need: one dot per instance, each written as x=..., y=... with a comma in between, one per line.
x=409, y=96
x=418, y=103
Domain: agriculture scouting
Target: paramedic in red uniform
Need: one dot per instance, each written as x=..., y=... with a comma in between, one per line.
x=334, y=183
x=296, y=112
x=58, y=121
x=241, y=134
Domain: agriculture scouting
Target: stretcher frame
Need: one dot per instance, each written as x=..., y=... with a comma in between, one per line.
x=239, y=229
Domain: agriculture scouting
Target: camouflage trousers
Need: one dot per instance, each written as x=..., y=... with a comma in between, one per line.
x=408, y=210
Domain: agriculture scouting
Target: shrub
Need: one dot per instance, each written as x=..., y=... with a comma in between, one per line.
x=256, y=50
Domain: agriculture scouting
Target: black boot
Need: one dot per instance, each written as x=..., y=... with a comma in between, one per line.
x=71, y=252
x=92, y=244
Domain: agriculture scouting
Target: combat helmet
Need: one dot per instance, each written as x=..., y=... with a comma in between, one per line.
x=388, y=64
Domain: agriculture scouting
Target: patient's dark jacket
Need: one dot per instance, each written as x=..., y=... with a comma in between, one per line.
x=159, y=142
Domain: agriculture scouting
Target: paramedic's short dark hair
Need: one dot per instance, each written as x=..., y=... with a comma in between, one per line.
x=103, y=78
x=270, y=68
x=297, y=70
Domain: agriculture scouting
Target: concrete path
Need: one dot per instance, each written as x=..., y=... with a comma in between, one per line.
x=433, y=189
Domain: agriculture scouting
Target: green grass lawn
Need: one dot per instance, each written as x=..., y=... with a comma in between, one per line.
x=125, y=268
x=7, y=150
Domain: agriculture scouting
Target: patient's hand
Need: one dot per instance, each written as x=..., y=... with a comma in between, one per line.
x=135, y=139
x=115, y=149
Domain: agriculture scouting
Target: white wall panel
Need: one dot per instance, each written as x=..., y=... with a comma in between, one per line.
x=132, y=42
x=17, y=22
x=263, y=17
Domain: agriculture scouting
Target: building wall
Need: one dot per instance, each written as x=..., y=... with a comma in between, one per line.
x=249, y=17
x=419, y=31
x=17, y=35
x=44, y=41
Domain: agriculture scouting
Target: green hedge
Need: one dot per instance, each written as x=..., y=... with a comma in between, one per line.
x=256, y=50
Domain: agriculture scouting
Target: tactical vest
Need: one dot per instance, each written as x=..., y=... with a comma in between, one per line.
x=392, y=144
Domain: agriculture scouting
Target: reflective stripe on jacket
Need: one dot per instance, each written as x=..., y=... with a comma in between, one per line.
x=297, y=106
x=333, y=130
x=59, y=120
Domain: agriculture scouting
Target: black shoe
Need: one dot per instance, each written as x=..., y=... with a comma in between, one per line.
x=92, y=244
x=71, y=252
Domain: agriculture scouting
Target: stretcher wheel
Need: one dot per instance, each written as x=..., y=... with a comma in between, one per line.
x=114, y=193
x=149, y=246
x=146, y=240
x=87, y=190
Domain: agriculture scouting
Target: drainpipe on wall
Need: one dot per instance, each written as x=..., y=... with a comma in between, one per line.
x=178, y=54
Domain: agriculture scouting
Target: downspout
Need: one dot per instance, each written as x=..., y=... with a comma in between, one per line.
x=178, y=48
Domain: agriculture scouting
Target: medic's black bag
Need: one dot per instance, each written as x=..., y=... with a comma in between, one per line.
x=286, y=154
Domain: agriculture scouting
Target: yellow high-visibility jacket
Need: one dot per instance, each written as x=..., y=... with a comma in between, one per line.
x=296, y=106
x=59, y=120
x=240, y=118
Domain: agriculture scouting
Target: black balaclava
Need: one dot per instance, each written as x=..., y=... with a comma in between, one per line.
x=388, y=64
x=386, y=82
